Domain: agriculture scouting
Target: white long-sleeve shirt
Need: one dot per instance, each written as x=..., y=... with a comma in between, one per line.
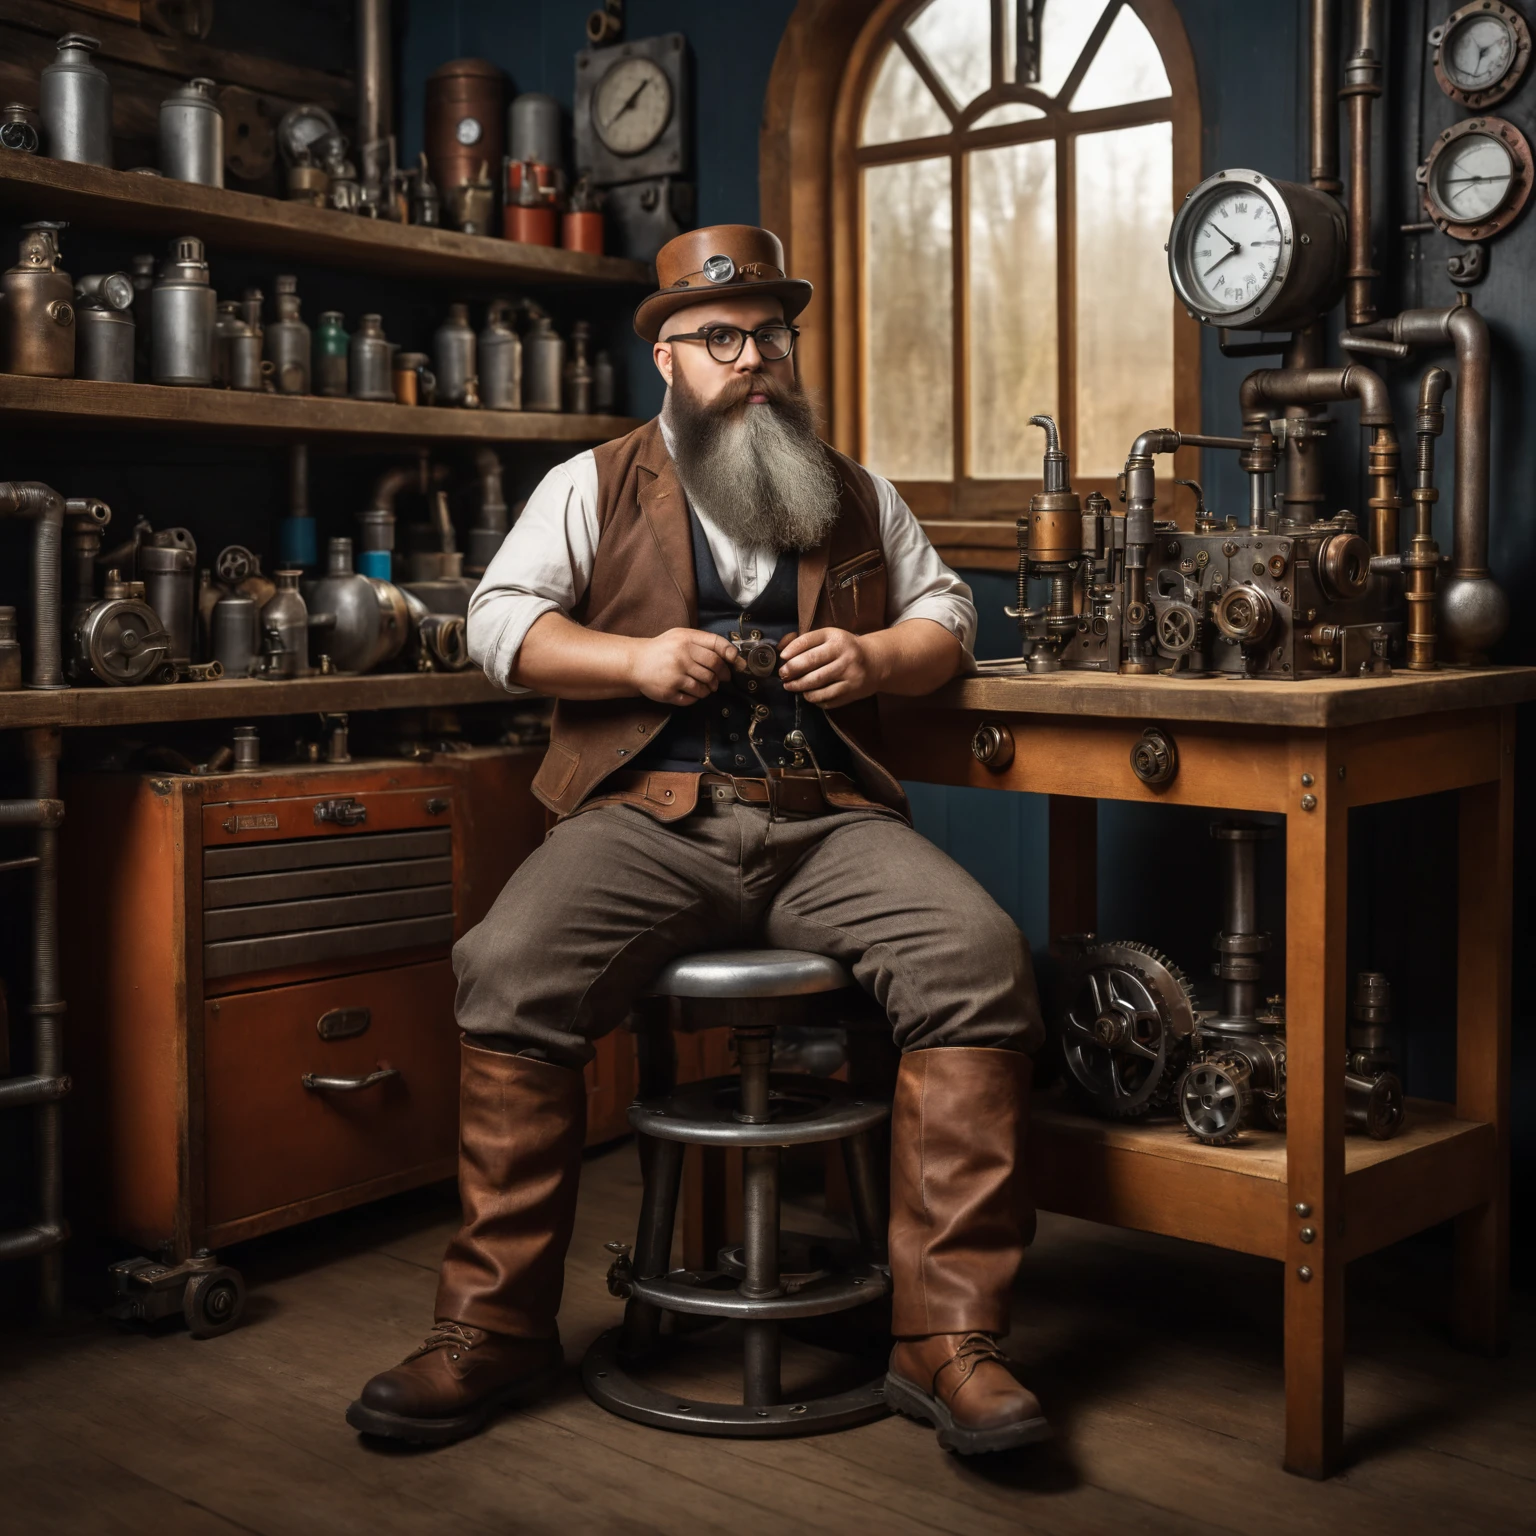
x=545, y=563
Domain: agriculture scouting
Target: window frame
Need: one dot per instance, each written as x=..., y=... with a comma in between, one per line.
x=812, y=186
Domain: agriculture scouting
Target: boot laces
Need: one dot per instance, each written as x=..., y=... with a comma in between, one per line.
x=448, y=1335
x=975, y=1348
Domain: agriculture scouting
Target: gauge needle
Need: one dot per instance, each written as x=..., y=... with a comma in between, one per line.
x=1228, y=257
x=633, y=98
x=1236, y=245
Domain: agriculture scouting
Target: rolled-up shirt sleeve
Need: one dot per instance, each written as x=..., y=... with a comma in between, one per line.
x=918, y=584
x=543, y=566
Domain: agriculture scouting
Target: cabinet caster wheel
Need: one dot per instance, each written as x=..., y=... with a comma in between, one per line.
x=213, y=1302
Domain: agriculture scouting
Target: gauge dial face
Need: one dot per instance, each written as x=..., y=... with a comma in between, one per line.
x=1232, y=249
x=1473, y=179
x=1478, y=51
x=631, y=106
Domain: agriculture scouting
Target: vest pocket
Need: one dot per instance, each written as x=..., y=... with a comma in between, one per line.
x=556, y=771
x=857, y=591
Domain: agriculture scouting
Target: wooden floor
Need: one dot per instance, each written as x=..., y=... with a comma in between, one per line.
x=1158, y=1361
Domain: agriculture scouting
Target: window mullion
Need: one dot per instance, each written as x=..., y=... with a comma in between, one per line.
x=1066, y=291
x=961, y=309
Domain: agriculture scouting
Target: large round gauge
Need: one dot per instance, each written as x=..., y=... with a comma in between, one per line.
x=1246, y=251
x=1481, y=52
x=631, y=105
x=1477, y=178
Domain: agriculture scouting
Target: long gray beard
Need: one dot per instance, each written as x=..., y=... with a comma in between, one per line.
x=759, y=471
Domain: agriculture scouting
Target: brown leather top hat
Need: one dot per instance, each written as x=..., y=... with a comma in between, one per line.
x=718, y=262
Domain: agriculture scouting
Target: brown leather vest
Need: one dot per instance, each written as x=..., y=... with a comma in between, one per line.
x=643, y=584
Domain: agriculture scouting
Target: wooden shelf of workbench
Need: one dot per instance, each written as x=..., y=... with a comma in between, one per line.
x=231, y=413
x=34, y=187
x=1153, y=1176
x=245, y=698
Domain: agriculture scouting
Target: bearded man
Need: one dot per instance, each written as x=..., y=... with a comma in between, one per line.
x=699, y=814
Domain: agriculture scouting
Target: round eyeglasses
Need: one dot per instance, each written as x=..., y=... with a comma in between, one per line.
x=775, y=341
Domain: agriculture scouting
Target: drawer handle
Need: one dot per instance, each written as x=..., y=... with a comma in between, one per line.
x=315, y=1083
x=345, y=813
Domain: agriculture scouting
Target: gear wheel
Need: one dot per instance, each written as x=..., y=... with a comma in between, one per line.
x=1215, y=1097
x=1126, y=1030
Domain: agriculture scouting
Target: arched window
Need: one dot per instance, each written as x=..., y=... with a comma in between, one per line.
x=1002, y=177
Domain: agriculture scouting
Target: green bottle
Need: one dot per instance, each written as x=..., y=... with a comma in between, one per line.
x=331, y=343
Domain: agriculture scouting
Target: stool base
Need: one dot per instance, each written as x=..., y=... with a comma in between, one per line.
x=610, y=1386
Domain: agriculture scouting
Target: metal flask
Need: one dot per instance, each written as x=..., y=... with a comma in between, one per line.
x=167, y=564
x=533, y=126
x=543, y=366
x=578, y=372
x=369, y=365
x=192, y=135
x=330, y=355
x=75, y=104
x=39, y=309
x=104, y=328
x=501, y=362
x=288, y=341
x=453, y=353
x=182, y=316
x=371, y=623
x=285, y=629
x=234, y=634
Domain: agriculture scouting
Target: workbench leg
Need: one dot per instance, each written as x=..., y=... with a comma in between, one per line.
x=1480, y=1315
x=1073, y=860
x=1316, y=894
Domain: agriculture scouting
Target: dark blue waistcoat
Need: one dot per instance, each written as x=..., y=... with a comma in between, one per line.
x=726, y=715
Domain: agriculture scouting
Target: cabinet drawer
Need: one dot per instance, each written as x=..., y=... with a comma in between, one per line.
x=272, y=1141
x=337, y=812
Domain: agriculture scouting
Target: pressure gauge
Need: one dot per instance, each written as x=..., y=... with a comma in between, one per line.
x=1481, y=52
x=631, y=106
x=1477, y=178
x=1245, y=250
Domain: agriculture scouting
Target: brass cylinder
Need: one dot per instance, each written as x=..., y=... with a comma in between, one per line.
x=1055, y=527
x=464, y=122
x=38, y=310
x=1385, y=502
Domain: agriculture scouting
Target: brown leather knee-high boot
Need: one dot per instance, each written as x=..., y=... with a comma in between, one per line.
x=521, y=1128
x=959, y=1222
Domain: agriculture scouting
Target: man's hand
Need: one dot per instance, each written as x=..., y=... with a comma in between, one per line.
x=830, y=666
x=681, y=666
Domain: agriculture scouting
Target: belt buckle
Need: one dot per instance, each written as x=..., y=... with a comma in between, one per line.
x=722, y=792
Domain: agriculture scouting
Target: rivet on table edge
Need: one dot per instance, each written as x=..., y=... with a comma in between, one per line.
x=1305, y=1272
x=1309, y=802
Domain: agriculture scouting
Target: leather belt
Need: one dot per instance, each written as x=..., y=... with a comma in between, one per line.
x=794, y=792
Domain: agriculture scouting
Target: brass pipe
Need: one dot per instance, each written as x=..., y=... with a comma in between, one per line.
x=1324, y=101
x=1362, y=85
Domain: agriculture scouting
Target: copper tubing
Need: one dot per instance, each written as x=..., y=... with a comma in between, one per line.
x=1362, y=85
x=1474, y=611
x=1421, y=565
x=1324, y=100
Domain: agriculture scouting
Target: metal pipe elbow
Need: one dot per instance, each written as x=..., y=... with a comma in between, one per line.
x=1432, y=388
x=1154, y=441
x=30, y=499
x=389, y=485
x=1370, y=389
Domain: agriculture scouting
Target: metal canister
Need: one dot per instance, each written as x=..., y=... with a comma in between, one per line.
x=415, y=383
x=104, y=328
x=605, y=388
x=192, y=135
x=453, y=352
x=500, y=355
x=330, y=354
x=533, y=127
x=577, y=374
x=226, y=324
x=182, y=317
x=235, y=645
x=75, y=104
x=244, y=355
x=19, y=129
x=285, y=629
x=543, y=366
x=464, y=123
x=39, y=309
x=288, y=341
x=10, y=652
x=369, y=361
x=167, y=563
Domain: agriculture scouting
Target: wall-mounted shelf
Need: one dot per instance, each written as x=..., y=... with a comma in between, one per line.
x=231, y=413
x=245, y=698
x=33, y=187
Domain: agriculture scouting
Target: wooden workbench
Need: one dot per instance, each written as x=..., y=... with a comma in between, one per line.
x=1311, y=752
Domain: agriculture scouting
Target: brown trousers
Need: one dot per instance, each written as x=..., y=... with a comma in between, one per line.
x=612, y=895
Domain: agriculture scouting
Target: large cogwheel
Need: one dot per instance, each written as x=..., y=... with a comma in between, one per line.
x=1125, y=1032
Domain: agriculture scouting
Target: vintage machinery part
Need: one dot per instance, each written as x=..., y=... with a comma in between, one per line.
x=234, y=638
x=288, y=341
x=19, y=129
x=1240, y=944
x=1178, y=627
x=46, y=1085
x=375, y=107
x=10, y=651
x=300, y=131
x=453, y=357
x=182, y=315
x=167, y=565
x=1374, y=1105
x=534, y=130
x=296, y=532
x=464, y=124
x=1124, y=1034
x=250, y=132
x=1155, y=757
x=285, y=629
x=439, y=642
x=499, y=355
x=46, y=510
x=1245, y=614
x=104, y=329
x=576, y=377
x=1343, y=565
x=1050, y=546
x=1473, y=608
x=369, y=370
x=1495, y=160
x=1487, y=27
x=1215, y=1097
x=75, y=104
x=1305, y=226
x=192, y=134
x=39, y=330
x=992, y=746
x=1362, y=85
x=247, y=745
x=372, y=623
x=120, y=639
x=489, y=530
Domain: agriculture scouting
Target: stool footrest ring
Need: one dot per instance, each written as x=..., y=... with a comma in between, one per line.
x=686, y=1290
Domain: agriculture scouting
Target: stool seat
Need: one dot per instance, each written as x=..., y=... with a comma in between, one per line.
x=739, y=973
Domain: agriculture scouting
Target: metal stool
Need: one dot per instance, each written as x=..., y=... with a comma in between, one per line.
x=753, y=991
